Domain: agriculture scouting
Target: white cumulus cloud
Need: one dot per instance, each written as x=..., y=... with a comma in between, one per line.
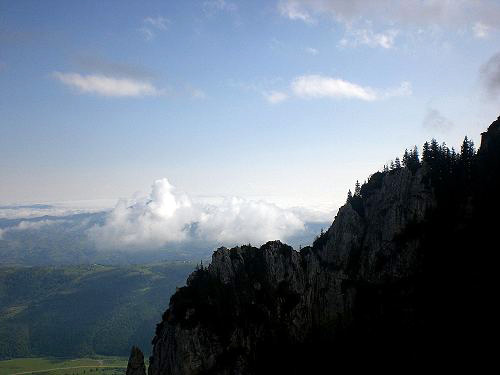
x=169, y=217
x=107, y=85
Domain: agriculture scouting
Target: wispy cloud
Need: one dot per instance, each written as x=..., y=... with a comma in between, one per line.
x=106, y=85
x=275, y=97
x=312, y=51
x=480, y=30
x=490, y=76
x=369, y=38
x=195, y=93
x=159, y=22
x=435, y=121
x=152, y=25
x=479, y=16
x=404, y=89
x=318, y=86
x=295, y=11
x=211, y=7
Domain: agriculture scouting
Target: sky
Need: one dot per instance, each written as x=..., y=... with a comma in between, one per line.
x=287, y=102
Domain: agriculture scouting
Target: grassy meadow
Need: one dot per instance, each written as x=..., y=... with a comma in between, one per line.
x=64, y=366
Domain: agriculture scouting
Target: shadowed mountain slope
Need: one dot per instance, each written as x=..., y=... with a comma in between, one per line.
x=402, y=279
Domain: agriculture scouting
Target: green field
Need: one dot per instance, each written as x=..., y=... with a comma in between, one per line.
x=63, y=366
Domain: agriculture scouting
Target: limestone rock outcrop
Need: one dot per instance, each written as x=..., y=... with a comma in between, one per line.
x=382, y=287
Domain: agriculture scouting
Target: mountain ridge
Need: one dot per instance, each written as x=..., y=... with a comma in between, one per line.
x=384, y=286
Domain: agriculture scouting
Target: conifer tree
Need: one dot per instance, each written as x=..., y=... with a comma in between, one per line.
x=357, y=189
x=467, y=156
x=406, y=159
x=415, y=154
x=397, y=163
x=426, y=153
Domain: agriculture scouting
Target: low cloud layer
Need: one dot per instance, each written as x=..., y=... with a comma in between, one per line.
x=107, y=85
x=29, y=225
x=169, y=217
x=30, y=211
x=490, y=76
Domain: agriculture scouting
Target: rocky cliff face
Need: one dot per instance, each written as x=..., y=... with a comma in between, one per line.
x=364, y=290
x=135, y=364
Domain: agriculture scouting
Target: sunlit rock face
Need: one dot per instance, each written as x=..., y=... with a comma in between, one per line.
x=382, y=287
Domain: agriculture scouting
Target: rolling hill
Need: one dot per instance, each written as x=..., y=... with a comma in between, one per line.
x=73, y=311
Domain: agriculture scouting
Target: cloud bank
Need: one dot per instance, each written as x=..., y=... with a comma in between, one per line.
x=107, y=85
x=30, y=225
x=169, y=217
x=30, y=211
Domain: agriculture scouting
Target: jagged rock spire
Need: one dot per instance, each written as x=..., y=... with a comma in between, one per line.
x=136, y=362
x=490, y=138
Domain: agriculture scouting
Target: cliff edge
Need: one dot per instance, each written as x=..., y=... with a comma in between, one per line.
x=396, y=282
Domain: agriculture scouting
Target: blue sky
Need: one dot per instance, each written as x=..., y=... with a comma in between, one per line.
x=287, y=101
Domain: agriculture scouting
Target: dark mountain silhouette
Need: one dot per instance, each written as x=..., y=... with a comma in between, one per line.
x=402, y=280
